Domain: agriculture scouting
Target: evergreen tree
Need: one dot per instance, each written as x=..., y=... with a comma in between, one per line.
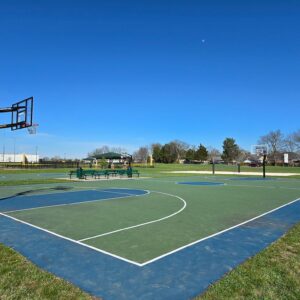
x=156, y=153
x=167, y=154
x=190, y=154
x=201, y=153
x=230, y=150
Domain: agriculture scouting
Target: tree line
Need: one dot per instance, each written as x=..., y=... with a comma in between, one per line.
x=177, y=150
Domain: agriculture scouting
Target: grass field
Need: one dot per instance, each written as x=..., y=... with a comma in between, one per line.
x=271, y=269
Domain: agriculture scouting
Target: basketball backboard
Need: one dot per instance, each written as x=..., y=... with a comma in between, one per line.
x=259, y=150
x=21, y=114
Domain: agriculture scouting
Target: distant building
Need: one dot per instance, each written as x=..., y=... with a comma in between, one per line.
x=19, y=158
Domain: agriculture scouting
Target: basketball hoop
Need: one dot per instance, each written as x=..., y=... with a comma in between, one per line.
x=259, y=150
x=32, y=129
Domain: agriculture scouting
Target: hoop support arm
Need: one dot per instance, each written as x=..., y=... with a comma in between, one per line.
x=11, y=125
x=10, y=109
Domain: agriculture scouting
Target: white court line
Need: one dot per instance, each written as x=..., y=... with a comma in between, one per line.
x=215, y=234
x=75, y=203
x=142, y=224
x=71, y=240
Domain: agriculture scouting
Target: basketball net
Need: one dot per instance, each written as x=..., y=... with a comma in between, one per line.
x=32, y=129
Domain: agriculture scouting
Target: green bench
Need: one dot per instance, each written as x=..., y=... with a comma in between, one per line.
x=98, y=174
x=132, y=172
x=122, y=172
x=80, y=173
x=71, y=173
x=136, y=172
x=83, y=174
x=126, y=172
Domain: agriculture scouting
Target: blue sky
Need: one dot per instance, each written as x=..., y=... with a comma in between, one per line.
x=129, y=73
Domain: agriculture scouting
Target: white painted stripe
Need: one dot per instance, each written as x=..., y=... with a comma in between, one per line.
x=142, y=224
x=71, y=240
x=215, y=234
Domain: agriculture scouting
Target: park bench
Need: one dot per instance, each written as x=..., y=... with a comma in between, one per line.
x=98, y=174
x=112, y=172
x=136, y=172
x=83, y=174
x=132, y=172
x=86, y=173
x=71, y=173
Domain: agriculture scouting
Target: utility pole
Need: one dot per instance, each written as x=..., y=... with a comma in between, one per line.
x=14, y=150
x=3, y=155
x=36, y=154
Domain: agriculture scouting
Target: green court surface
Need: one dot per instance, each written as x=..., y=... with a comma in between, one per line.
x=144, y=228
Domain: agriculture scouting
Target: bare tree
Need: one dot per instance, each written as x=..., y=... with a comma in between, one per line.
x=213, y=153
x=106, y=149
x=296, y=138
x=178, y=148
x=101, y=150
x=275, y=142
x=56, y=158
x=141, y=154
x=242, y=155
x=290, y=143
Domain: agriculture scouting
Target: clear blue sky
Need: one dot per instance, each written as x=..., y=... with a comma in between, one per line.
x=129, y=73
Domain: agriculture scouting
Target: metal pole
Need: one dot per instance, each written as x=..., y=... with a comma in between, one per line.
x=14, y=150
x=264, y=166
x=213, y=167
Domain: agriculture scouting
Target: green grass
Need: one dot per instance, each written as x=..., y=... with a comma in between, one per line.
x=25, y=176
x=272, y=274
x=31, y=181
x=158, y=169
x=20, y=279
x=169, y=167
x=223, y=167
x=33, y=171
